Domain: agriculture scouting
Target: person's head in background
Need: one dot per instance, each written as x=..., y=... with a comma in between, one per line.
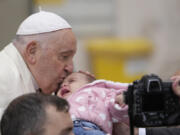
x=47, y=45
x=74, y=82
x=37, y=114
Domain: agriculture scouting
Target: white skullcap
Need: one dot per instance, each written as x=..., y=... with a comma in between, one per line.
x=42, y=22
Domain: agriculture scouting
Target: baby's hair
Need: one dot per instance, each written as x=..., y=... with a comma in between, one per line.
x=90, y=77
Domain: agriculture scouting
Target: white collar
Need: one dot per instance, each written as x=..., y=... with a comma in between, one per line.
x=27, y=77
x=36, y=86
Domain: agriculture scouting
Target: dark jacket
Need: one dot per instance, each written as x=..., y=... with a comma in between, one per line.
x=163, y=131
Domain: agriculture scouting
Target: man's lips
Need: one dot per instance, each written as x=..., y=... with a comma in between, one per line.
x=59, y=83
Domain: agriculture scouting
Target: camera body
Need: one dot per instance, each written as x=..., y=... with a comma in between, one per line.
x=152, y=103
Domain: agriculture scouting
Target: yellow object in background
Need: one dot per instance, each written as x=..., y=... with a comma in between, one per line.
x=48, y=2
x=119, y=60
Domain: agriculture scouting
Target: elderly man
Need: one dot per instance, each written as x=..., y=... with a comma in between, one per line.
x=37, y=114
x=39, y=57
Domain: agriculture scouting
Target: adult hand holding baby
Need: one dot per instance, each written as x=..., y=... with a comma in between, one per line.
x=176, y=84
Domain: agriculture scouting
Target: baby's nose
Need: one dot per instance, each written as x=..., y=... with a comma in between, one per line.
x=63, y=85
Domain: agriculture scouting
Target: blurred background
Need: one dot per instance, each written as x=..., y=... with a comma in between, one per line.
x=118, y=40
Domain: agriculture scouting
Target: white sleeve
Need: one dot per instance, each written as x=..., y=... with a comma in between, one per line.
x=1, y=112
x=142, y=131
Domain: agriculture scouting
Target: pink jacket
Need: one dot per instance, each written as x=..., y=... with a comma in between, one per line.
x=95, y=102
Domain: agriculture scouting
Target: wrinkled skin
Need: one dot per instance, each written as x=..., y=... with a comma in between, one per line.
x=51, y=61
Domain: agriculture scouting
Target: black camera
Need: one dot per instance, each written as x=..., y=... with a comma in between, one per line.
x=152, y=103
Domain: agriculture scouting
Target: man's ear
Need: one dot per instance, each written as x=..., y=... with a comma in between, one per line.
x=31, y=52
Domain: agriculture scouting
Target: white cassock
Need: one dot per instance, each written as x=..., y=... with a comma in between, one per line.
x=15, y=77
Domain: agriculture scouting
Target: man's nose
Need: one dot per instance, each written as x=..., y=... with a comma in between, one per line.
x=69, y=67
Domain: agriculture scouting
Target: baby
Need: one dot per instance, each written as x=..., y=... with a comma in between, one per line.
x=95, y=104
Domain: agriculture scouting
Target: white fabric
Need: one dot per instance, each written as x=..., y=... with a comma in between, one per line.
x=42, y=22
x=15, y=78
x=142, y=131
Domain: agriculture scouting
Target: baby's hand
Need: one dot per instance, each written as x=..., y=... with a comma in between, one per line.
x=176, y=84
x=119, y=99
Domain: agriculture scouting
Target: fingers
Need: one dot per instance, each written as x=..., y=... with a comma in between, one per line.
x=176, y=84
x=136, y=131
x=119, y=99
x=120, y=129
x=176, y=77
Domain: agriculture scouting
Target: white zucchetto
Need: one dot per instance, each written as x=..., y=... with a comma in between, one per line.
x=42, y=22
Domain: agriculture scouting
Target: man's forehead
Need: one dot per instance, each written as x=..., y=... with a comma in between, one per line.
x=53, y=114
x=57, y=122
x=67, y=48
x=62, y=38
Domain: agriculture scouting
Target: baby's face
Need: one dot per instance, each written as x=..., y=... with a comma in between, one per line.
x=71, y=84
